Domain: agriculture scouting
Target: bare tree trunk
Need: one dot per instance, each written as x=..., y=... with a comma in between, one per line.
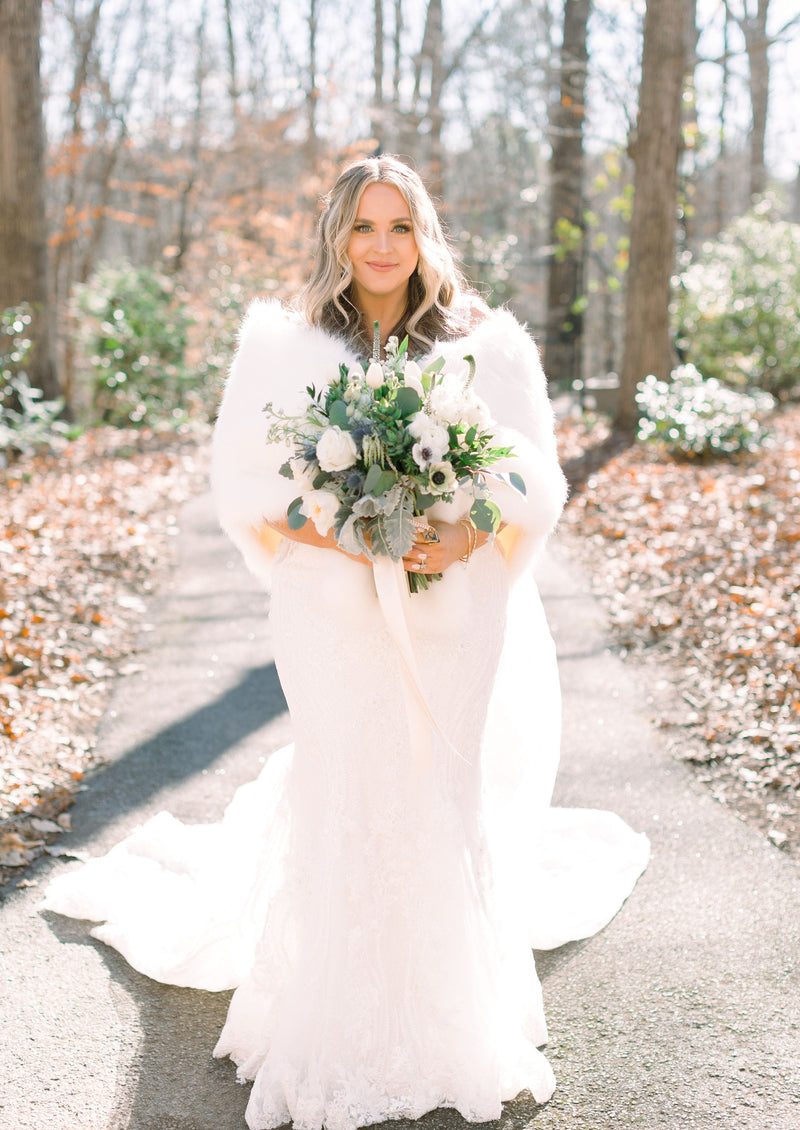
x=378, y=126
x=429, y=63
x=562, y=345
x=194, y=144
x=24, y=266
x=720, y=192
x=755, y=35
x=233, y=85
x=312, y=94
x=668, y=35
x=64, y=255
x=397, y=59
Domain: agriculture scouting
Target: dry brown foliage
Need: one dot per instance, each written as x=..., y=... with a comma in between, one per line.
x=86, y=535
x=698, y=566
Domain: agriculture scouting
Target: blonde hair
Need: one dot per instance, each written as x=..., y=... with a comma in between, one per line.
x=438, y=296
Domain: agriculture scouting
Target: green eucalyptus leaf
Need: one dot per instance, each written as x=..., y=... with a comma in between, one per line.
x=386, y=481
x=408, y=401
x=337, y=414
x=371, y=478
x=285, y=470
x=485, y=515
x=294, y=518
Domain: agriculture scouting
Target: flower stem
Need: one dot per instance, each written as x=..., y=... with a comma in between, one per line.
x=376, y=341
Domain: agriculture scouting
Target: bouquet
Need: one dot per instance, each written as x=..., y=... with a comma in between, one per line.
x=376, y=448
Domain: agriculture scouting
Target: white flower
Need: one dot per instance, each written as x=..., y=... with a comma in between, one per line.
x=432, y=443
x=320, y=506
x=441, y=478
x=412, y=378
x=355, y=373
x=336, y=449
x=302, y=473
x=375, y=377
x=448, y=400
x=333, y=375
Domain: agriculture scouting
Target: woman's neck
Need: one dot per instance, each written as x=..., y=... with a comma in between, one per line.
x=386, y=311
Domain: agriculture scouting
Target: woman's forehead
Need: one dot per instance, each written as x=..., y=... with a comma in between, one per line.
x=385, y=199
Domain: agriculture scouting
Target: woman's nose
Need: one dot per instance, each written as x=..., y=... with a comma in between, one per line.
x=382, y=240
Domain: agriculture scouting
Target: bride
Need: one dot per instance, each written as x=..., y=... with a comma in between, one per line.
x=374, y=896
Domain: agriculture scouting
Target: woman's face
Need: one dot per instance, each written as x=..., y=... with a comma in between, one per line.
x=382, y=247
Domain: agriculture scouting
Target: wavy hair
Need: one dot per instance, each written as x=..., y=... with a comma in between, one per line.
x=438, y=295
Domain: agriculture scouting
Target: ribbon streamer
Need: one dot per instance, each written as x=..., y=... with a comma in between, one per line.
x=393, y=596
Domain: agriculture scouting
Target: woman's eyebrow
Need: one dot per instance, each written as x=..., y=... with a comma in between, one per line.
x=399, y=220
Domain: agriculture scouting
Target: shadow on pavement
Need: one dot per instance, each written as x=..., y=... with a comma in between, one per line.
x=178, y=751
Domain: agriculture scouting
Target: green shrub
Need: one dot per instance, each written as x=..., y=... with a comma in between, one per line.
x=736, y=312
x=131, y=341
x=699, y=418
x=27, y=422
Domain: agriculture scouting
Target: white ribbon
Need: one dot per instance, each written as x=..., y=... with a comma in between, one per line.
x=393, y=596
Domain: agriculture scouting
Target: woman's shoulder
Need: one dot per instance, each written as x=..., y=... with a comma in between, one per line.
x=270, y=323
x=265, y=315
x=498, y=332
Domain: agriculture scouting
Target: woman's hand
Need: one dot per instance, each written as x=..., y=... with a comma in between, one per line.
x=453, y=542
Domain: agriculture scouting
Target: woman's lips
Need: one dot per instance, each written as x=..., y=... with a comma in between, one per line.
x=381, y=266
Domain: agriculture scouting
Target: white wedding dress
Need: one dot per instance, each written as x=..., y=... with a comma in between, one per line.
x=373, y=904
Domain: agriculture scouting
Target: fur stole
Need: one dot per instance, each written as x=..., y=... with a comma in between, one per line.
x=279, y=355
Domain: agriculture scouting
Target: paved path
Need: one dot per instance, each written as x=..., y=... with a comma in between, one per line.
x=684, y=1012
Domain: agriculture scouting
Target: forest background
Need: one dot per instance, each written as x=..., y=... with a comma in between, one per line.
x=625, y=175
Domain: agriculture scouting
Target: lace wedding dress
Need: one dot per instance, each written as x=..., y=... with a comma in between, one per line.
x=373, y=903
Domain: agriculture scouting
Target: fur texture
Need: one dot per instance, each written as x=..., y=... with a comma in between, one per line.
x=278, y=356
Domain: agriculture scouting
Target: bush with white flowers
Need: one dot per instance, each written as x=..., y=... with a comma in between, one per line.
x=698, y=418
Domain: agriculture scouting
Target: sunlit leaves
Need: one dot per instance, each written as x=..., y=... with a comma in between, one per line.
x=736, y=311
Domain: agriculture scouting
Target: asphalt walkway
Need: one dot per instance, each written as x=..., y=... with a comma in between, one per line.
x=684, y=1012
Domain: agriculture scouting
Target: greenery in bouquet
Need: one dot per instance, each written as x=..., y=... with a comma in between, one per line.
x=376, y=448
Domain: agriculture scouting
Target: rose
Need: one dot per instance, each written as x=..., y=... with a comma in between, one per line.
x=336, y=449
x=321, y=507
x=375, y=375
x=432, y=440
x=441, y=478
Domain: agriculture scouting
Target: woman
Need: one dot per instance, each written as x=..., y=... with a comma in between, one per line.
x=374, y=924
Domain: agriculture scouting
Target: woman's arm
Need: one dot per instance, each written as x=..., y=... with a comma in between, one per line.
x=424, y=556
x=308, y=535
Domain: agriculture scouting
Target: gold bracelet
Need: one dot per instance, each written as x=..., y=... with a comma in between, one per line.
x=472, y=538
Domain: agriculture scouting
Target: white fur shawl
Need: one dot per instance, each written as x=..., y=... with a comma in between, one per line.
x=278, y=356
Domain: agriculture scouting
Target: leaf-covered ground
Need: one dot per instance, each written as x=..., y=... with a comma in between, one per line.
x=86, y=535
x=699, y=567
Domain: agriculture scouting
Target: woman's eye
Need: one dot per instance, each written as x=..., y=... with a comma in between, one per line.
x=362, y=229
x=402, y=229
